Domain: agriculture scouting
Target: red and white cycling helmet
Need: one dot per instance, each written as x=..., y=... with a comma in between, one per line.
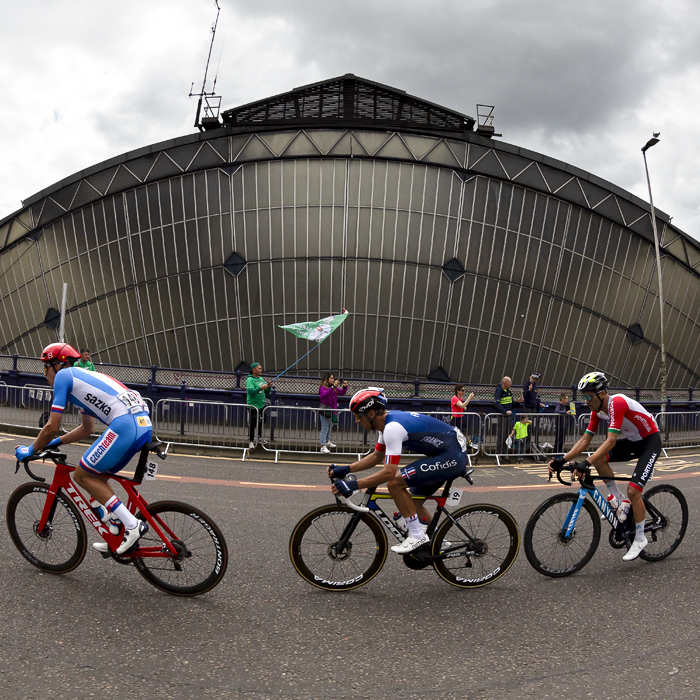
x=367, y=399
x=59, y=352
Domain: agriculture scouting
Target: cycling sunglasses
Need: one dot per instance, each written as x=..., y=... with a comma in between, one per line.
x=588, y=397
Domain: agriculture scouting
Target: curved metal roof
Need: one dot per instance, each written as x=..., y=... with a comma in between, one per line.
x=351, y=106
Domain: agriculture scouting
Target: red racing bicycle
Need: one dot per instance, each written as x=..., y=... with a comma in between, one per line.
x=183, y=553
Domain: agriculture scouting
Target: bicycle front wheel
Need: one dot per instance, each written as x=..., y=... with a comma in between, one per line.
x=61, y=545
x=547, y=548
x=202, y=552
x=668, y=524
x=491, y=538
x=322, y=561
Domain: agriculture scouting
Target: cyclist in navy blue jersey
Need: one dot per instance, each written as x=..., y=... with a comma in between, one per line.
x=443, y=445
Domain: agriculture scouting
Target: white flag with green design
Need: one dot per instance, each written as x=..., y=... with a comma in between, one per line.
x=316, y=330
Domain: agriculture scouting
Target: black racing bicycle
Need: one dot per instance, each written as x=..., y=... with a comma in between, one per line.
x=343, y=545
x=563, y=533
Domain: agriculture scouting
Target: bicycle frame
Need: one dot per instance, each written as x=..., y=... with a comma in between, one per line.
x=62, y=480
x=370, y=505
x=599, y=500
x=377, y=511
x=588, y=488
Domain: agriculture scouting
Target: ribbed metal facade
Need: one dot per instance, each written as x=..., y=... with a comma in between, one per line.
x=457, y=256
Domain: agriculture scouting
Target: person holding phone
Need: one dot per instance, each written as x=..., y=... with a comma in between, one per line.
x=329, y=391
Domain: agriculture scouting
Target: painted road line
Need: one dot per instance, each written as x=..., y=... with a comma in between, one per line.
x=523, y=486
x=327, y=487
x=262, y=483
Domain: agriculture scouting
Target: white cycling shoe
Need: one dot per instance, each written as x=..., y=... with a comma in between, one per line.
x=409, y=544
x=131, y=537
x=635, y=549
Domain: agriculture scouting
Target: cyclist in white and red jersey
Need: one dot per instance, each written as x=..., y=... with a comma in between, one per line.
x=443, y=445
x=640, y=440
x=128, y=430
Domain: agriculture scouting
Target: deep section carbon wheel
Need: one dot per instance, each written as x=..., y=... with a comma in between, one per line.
x=202, y=553
x=61, y=545
x=323, y=560
x=481, y=541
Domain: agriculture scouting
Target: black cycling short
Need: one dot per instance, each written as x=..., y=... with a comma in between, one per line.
x=647, y=451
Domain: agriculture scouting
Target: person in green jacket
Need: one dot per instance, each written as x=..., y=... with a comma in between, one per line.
x=257, y=389
x=84, y=361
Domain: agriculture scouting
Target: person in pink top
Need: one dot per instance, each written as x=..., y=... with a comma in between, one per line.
x=329, y=391
x=632, y=434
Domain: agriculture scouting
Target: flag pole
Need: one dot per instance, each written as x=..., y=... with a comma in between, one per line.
x=294, y=363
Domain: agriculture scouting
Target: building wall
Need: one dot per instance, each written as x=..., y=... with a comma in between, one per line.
x=556, y=266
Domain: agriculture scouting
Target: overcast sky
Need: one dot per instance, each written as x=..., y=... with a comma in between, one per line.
x=584, y=82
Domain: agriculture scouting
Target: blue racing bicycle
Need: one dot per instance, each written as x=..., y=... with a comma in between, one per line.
x=563, y=533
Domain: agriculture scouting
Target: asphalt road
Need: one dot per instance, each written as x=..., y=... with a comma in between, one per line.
x=613, y=630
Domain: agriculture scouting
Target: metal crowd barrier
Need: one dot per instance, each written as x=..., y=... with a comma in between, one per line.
x=23, y=407
x=549, y=434
x=298, y=429
x=29, y=407
x=203, y=423
x=679, y=430
x=468, y=423
x=293, y=429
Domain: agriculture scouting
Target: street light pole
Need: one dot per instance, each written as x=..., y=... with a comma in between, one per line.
x=652, y=142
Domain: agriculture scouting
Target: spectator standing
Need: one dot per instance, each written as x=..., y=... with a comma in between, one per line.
x=504, y=403
x=531, y=398
x=520, y=430
x=257, y=390
x=458, y=404
x=329, y=391
x=531, y=402
x=84, y=361
x=563, y=411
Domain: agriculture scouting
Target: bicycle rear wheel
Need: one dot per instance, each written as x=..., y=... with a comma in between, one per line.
x=322, y=562
x=669, y=529
x=202, y=552
x=491, y=547
x=546, y=547
x=61, y=545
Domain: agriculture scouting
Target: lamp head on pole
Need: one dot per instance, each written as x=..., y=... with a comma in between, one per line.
x=652, y=141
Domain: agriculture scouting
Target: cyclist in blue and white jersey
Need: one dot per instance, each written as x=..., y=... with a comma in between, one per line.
x=443, y=445
x=128, y=430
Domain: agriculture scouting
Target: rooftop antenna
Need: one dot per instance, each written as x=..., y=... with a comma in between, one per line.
x=209, y=103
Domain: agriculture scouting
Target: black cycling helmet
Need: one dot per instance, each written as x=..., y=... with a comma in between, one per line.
x=367, y=399
x=593, y=382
